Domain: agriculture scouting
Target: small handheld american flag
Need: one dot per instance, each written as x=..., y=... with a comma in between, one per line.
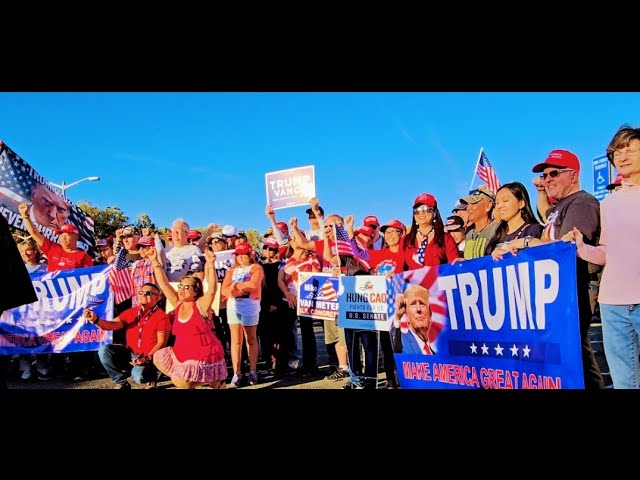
x=120, y=278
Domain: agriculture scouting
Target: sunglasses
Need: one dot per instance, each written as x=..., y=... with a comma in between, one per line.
x=270, y=248
x=146, y=293
x=555, y=173
x=423, y=209
x=478, y=191
x=373, y=227
x=186, y=287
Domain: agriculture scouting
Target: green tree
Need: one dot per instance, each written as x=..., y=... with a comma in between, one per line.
x=105, y=222
x=144, y=221
x=254, y=238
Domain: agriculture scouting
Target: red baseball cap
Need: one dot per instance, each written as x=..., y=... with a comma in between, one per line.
x=425, y=199
x=146, y=242
x=371, y=220
x=243, y=249
x=68, y=228
x=193, y=234
x=282, y=226
x=270, y=242
x=560, y=159
x=365, y=230
x=616, y=183
x=394, y=224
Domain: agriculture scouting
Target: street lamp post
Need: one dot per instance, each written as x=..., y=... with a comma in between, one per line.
x=63, y=186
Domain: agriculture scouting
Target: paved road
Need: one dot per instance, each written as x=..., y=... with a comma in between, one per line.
x=267, y=381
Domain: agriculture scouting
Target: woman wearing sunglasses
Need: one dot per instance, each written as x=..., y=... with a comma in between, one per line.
x=427, y=243
x=197, y=357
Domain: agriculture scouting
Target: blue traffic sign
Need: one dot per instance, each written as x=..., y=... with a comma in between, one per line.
x=601, y=177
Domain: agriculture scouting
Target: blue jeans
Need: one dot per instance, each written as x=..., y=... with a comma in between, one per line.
x=620, y=330
x=116, y=361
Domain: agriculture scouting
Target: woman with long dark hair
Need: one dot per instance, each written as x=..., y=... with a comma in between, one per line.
x=517, y=221
x=427, y=244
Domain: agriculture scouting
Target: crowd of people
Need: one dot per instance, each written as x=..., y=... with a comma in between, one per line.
x=194, y=345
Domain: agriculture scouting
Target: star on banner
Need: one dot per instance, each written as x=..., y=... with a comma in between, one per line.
x=526, y=350
x=498, y=349
x=474, y=348
x=514, y=350
x=485, y=349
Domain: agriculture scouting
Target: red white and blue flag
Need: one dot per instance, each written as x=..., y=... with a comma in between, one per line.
x=487, y=174
x=347, y=246
x=120, y=278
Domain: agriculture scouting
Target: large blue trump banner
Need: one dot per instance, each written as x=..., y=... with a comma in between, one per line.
x=481, y=323
x=54, y=323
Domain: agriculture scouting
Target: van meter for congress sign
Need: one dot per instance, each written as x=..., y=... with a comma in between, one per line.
x=290, y=188
x=317, y=295
x=363, y=303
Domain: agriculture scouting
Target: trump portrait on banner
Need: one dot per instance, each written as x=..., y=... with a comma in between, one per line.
x=413, y=337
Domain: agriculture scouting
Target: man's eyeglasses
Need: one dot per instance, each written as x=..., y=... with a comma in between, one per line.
x=373, y=227
x=616, y=154
x=186, y=287
x=270, y=248
x=555, y=173
x=423, y=209
x=146, y=293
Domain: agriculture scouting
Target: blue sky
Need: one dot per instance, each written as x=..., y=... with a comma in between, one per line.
x=203, y=156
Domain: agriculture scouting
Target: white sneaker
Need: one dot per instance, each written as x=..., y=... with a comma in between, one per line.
x=294, y=363
x=26, y=375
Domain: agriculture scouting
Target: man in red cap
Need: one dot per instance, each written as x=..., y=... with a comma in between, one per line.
x=575, y=208
x=372, y=222
x=193, y=236
x=65, y=256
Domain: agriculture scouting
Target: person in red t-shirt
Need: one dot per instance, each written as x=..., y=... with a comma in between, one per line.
x=147, y=330
x=65, y=256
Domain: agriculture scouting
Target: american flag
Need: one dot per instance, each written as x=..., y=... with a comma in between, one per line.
x=327, y=292
x=346, y=247
x=17, y=179
x=120, y=278
x=487, y=174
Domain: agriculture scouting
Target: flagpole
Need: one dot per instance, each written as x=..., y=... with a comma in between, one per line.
x=475, y=170
x=335, y=236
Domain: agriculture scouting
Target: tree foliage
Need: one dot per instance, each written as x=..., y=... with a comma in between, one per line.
x=254, y=238
x=105, y=222
x=144, y=221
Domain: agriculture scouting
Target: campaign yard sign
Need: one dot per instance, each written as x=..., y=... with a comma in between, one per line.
x=486, y=324
x=318, y=295
x=290, y=188
x=363, y=303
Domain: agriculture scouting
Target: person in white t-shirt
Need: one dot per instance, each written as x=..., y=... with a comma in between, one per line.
x=177, y=259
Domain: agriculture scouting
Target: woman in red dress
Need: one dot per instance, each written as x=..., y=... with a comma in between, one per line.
x=197, y=357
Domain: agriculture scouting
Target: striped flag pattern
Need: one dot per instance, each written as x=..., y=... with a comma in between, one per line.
x=327, y=292
x=120, y=278
x=346, y=246
x=487, y=174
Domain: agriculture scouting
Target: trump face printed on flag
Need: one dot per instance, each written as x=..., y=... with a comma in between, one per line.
x=49, y=209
